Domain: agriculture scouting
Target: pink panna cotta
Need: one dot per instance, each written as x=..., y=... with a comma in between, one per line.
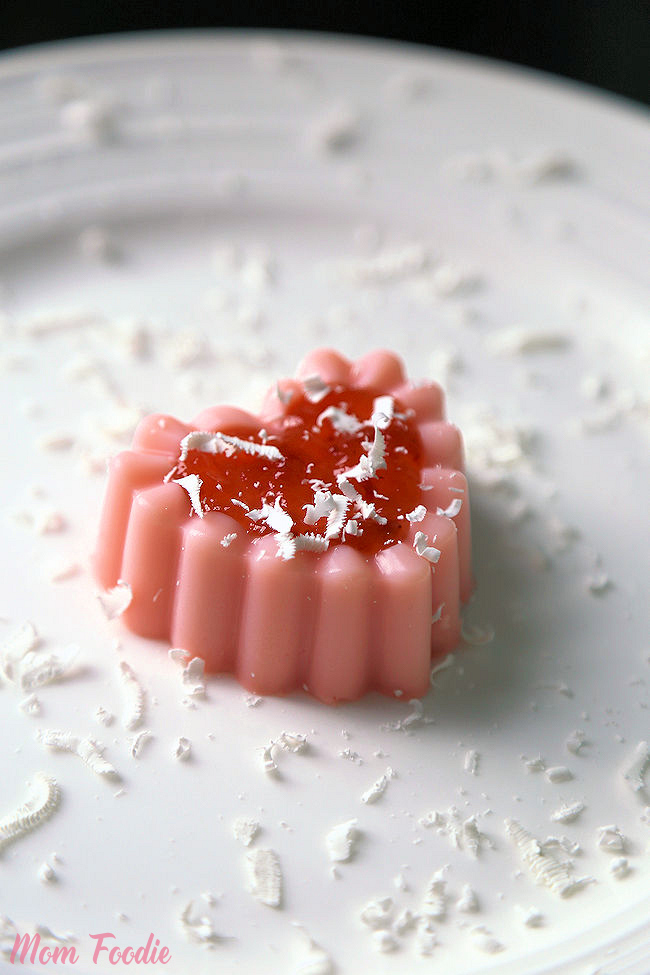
x=323, y=544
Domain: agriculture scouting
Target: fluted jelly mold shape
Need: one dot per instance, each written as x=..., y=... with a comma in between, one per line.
x=337, y=623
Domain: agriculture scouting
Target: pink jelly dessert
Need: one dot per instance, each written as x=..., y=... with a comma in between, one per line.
x=323, y=544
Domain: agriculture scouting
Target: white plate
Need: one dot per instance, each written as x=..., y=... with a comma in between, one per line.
x=248, y=183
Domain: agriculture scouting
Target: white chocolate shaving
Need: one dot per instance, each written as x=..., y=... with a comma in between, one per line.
x=315, y=388
x=372, y=461
x=477, y=634
x=418, y=514
x=544, y=867
x=47, y=874
x=116, y=600
x=377, y=914
x=484, y=940
x=452, y=508
x=341, y=841
x=274, y=515
x=468, y=902
x=383, y=411
x=192, y=483
x=611, y=839
x=15, y=647
x=209, y=442
x=378, y=788
x=384, y=941
x=134, y=703
x=245, y=829
x=316, y=960
x=425, y=938
x=265, y=876
x=138, y=743
x=182, y=749
x=342, y=421
x=426, y=551
x=42, y=802
x=558, y=773
x=36, y=670
x=568, y=812
x=434, y=903
x=197, y=928
x=89, y=751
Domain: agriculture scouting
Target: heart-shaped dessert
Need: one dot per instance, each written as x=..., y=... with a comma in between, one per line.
x=324, y=544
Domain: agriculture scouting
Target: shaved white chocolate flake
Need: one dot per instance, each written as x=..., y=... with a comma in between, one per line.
x=468, y=902
x=63, y=570
x=265, y=876
x=289, y=741
x=342, y=421
x=544, y=867
x=192, y=483
x=610, y=839
x=15, y=647
x=390, y=265
x=471, y=761
x=245, y=829
x=417, y=514
x=558, y=773
x=378, y=788
x=209, y=442
x=274, y=515
x=182, y=749
x=30, y=705
x=415, y=717
x=635, y=769
x=53, y=323
x=598, y=583
x=477, y=634
x=335, y=131
x=485, y=940
x=576, y=741
x=42, y=802
x=377, y=914
x=134, y=697
x=568, y=812
x=138, y=743
x=425, y=937
x=522, y=341
x=384, y=941
x=620, y=868
x=102, y=716
x=536, y=764
x=316, y=961
x=452, y=508
x=37, y=670
x=434, y=903
x=383, y=411
x=178, y=655
x=47, y=874
x=197, y=928
x=422, y=547
x=315, y=388
x=89, y=751
x=228, y=539
x=341, y=841
x=116, y=600
x=530, y=916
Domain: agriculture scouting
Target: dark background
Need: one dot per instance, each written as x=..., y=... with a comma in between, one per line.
x=601, y=42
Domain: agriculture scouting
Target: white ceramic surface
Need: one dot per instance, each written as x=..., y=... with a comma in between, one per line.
x=256, y=196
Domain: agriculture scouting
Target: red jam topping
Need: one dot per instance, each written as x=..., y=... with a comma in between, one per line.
x=318, y=445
